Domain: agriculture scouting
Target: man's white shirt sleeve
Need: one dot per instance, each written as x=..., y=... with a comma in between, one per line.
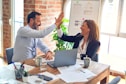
x=29, y=32
x=59, y=32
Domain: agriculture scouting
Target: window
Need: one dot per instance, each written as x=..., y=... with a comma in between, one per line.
x=1, y=27
x=67, y=6
x=113, y=31
x=113, y=23
x=17, y=19
x=109, y=16
x=123, y=20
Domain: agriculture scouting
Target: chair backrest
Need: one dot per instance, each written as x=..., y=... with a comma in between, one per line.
x=9, y=54
x=115, y=80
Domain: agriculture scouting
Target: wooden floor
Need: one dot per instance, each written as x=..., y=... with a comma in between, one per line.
x=4, y=63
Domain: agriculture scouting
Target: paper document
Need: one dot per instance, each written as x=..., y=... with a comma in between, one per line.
x=11, y=81
x=79, y=61
x=69, y=68
x=70, y=77
x=87, y=73
x=75, y=73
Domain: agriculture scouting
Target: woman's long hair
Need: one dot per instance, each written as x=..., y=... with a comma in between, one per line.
x=94, y=30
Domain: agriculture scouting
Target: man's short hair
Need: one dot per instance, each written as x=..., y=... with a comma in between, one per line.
x=32, y=15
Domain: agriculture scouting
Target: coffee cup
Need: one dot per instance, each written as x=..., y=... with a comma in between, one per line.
x=41, y=62
x=87, y=61
x=43, y=66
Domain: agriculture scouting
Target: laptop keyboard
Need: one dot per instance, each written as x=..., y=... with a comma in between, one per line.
x=51, y=63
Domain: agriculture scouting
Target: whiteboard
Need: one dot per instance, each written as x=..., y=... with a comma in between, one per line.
x=81, y=10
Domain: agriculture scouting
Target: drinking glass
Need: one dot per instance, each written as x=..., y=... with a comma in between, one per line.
x=43, y=65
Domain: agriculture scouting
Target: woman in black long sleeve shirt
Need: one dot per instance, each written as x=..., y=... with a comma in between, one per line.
x=87, y=41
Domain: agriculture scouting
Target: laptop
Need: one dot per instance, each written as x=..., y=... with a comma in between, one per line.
x=64, y=58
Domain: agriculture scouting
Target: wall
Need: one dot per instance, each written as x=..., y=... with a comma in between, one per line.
x=49, y=9
x=6, y=26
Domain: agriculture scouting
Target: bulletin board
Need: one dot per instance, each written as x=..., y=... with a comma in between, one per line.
x=81, y=10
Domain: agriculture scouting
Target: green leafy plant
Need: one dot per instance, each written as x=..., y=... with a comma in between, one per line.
x=60, y=44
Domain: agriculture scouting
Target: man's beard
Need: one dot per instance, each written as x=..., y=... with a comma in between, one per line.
x=36, y=26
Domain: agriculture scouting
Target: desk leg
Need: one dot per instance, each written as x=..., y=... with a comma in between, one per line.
x=105, y=80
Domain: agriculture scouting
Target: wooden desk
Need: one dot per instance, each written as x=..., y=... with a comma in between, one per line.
x=101, y=70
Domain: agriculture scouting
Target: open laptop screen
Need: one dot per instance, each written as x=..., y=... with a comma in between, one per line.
x=64, y=58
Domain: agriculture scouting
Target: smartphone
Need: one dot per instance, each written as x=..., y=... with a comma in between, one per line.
x=44, y=77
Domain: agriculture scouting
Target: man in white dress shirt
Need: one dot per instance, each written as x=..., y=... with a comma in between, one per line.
x=28, y=38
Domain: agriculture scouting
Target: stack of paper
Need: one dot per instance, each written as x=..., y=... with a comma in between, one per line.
x=74, y=74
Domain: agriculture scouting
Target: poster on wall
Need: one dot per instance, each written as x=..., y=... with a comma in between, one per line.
x=81, y=10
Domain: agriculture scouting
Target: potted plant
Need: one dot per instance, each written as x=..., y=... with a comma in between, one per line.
x=60, y=44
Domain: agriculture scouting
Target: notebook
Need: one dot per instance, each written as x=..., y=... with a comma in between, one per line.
x=64, y=58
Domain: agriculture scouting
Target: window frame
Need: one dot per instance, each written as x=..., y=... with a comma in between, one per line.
x=120, y=33
x=1, y=27
x=13, y=21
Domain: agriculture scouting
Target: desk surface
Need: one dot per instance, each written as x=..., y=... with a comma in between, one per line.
x=101, y=70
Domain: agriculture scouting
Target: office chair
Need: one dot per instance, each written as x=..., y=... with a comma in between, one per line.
x=9, y=54
x=115, y=80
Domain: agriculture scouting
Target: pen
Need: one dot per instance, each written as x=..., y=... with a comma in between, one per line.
x=14, y=66
x=22, y=64
x=82, y=71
